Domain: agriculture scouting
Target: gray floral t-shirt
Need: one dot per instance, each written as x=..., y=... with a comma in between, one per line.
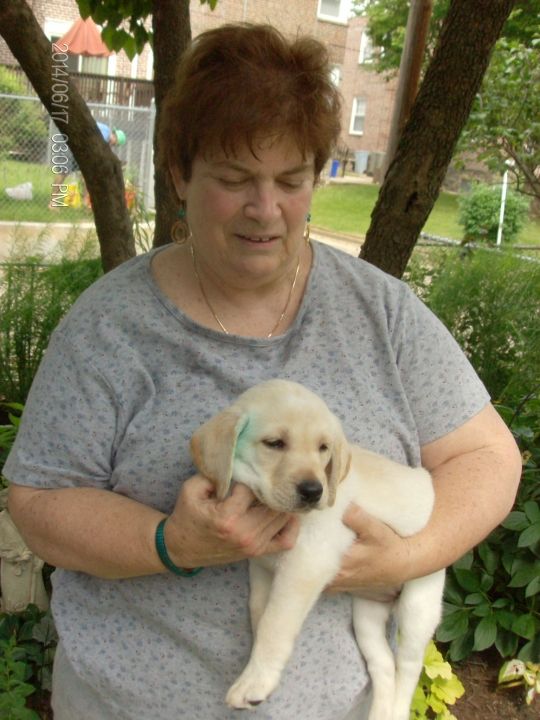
x=125, y=382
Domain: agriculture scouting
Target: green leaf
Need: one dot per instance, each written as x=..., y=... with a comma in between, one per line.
x=130, y=47
x=530, y=536
x=531, y=650
x=452, y=591
x=524, y=626
x=84, y=8
x=507, y=562
x=486, y=582
x=505, y=619
x=474, y=599
x=516, y=521
x=525, y=573
x=468, y=580
x=453, y=626
x=465, y=562
x=44, y=631
x=506, y=643
x=489, y=557
x=436, y=704
x=532, y=511
x=533, y=588
x=449, y=690
x=107, y=35
x=461, y=647
x=485, y=633
x=482, y=610
x=419, y=704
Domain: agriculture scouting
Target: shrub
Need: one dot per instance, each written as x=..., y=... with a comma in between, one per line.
x=490, y=302
x=33, y=300
x=24, y=128
x=8, y=434
x=480, y=211
x=27, y=646
x=516, y=672
x=492, y=593
x=437, y=688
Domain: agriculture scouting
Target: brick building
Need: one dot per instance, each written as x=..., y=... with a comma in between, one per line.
x=368, y=97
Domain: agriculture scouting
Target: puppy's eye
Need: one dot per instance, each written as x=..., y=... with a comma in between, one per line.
x=323, y=447
x=277, y=444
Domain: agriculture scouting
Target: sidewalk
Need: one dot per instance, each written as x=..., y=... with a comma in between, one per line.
x=36, y=236
x=343, y=241
x=46, y=236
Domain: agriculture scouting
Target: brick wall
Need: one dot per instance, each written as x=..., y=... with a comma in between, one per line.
x=291, y=17
x=379, y=92
x=67, y=12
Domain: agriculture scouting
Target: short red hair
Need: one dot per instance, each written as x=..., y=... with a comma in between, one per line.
x=238, y=83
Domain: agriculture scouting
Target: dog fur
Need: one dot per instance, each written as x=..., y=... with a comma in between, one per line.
x=282, y=441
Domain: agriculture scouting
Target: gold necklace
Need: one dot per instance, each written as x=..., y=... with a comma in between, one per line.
x=221, y=325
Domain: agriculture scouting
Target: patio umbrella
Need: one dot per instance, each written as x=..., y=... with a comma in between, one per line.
x=83, y=38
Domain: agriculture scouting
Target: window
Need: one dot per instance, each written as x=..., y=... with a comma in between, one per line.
x=366, y=49
x=93, y=65
x=334, y=10
x=358, y=116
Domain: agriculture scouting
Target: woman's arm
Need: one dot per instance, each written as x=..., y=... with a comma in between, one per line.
x=476, y=471
x=109, y=535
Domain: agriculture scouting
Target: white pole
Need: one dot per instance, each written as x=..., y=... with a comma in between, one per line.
x=503, y=203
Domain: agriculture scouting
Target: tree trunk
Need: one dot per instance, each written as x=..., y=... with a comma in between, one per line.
x=45, y=67
x=172, y=33
x=427, y=143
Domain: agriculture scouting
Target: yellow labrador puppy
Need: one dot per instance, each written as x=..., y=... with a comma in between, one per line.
x=282, y=441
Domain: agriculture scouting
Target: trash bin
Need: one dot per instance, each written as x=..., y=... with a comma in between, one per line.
x=334, y=168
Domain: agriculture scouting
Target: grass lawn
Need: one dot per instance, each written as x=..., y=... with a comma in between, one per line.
x=341, y=208
x=14, y=173
x=347, y=208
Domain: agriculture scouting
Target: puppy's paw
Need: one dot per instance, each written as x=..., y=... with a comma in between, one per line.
x=252, y=687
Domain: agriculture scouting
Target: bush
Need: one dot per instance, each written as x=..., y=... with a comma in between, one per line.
x=480, y=210
x=33, y=300
x=490, y=302
x=437, y=688
x=492, y=593
x=24, y=127
x=27, y=645
x=8, y=434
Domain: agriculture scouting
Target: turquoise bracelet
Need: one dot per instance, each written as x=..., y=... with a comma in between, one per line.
x=164, y=555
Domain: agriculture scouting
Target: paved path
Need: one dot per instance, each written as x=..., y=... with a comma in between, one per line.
x=45, y=236
x=348, y=243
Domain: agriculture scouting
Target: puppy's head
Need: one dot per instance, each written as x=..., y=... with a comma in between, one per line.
x=280, y=440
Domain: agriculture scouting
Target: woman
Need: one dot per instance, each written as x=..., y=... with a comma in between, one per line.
x=159, y=345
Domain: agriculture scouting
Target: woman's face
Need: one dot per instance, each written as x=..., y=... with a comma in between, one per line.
x=248, y=214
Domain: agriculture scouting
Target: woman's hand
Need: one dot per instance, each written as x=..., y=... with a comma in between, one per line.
x=378, y=562
x=203, y=530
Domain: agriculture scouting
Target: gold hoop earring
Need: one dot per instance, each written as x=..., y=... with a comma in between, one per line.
x=180, y=231
x=306, y=231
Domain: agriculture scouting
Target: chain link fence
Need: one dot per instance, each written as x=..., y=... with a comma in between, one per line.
x=31, y=154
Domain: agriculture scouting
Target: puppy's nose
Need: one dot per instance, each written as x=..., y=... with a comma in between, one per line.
x=310, y=491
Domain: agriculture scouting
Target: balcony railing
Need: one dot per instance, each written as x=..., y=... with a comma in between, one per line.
x=124, y=91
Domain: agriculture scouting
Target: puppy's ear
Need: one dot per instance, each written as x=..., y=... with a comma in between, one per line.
x=212, y=448
x=339, y=465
